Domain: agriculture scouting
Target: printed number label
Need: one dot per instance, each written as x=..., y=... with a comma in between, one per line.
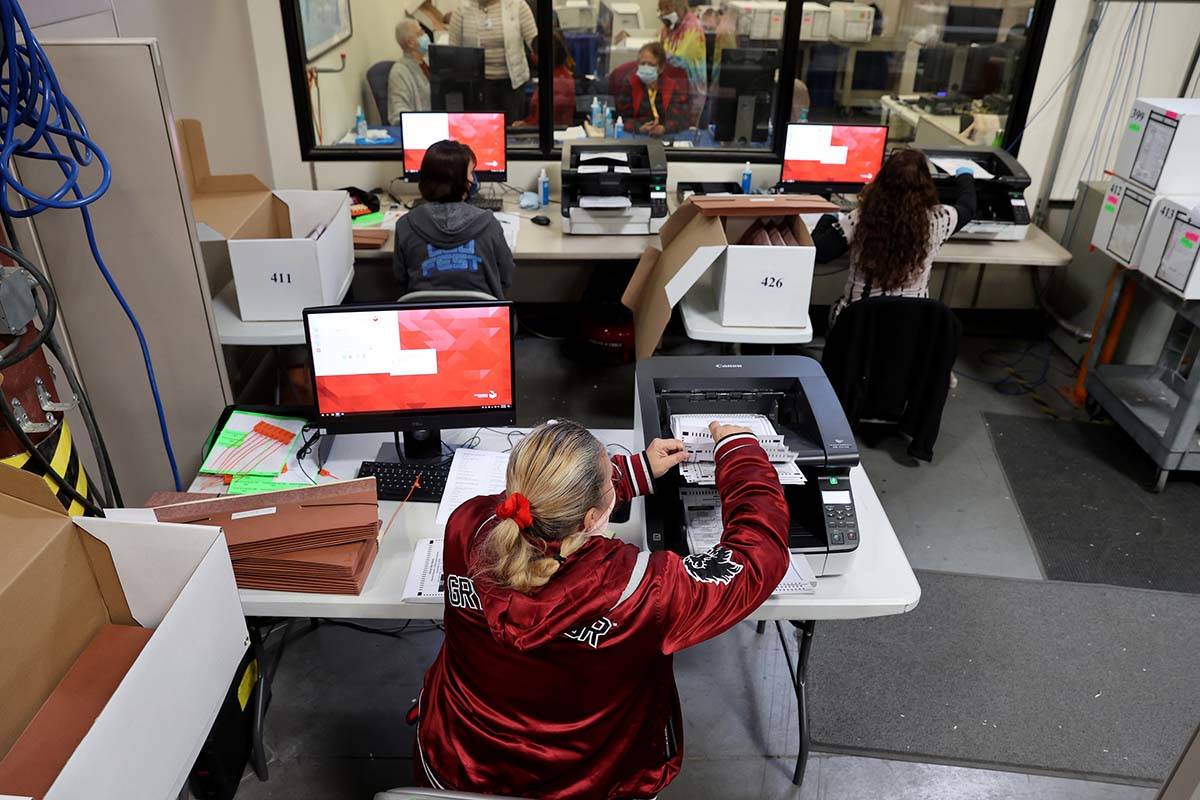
x=772, y=282
x=281, y=277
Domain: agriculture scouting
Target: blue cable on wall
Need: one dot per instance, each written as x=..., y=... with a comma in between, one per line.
x=32, y=103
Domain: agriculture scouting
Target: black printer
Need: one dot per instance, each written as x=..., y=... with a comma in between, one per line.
x=612, y=187
x=1002, y=214
x=794, y=394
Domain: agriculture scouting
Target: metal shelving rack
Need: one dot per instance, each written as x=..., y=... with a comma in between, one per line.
x=1159, y=404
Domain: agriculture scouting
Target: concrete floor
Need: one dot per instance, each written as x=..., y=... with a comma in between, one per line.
x=335, y=729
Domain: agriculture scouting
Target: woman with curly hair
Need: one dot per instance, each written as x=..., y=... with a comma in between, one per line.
x=896, y=230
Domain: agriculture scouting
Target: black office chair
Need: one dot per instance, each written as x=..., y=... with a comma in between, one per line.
x=376, y=81
x=889, y=359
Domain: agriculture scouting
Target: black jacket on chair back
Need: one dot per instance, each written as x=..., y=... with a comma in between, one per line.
x=889, y=358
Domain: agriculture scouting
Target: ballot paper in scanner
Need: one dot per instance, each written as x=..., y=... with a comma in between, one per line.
x=604, y=155
x=613, y=202
x=692, y=430
x=704, y=527
x=953, y=165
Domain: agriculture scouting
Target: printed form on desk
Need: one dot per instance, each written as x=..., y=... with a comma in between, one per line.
x=472, y=473
x=426, y=582
x=511, y=225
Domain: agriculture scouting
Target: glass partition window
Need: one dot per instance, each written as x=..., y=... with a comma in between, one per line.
x=936, y=73
x=437, y=55
x=704, y=76
x=698, y=76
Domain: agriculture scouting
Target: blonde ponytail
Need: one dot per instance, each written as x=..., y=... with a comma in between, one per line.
x=558, y=468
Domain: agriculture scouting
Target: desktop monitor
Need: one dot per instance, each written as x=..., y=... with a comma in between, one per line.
x=745, y=88
x=455, y=77
x=483, y=132
x=934, y=68
x=968, y=25
x=412, y=367
x=833, y=157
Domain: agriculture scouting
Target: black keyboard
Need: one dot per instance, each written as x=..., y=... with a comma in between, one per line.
x=417, y=483
x=486, y=203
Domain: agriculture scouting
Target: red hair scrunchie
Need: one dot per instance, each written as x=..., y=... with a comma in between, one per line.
x=516, y=507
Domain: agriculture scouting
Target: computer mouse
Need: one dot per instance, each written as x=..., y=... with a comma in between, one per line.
x=540, y=219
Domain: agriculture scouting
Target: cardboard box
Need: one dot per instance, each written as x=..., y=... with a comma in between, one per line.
x=287, y=250
x=61, y=581
x=1172, y=252
x=1160, y=145
x=695, y=238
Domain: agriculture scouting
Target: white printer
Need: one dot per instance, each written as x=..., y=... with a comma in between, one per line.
x=575, y=15
x=1160, y=147
x=814, y=22
x=614, y=187
x=1172, y=252
x=850, y=22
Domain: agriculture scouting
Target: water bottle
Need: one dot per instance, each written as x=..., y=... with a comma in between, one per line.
x=360, y=124
x=544, y=188
x=747, y=179
x=609, y=126
x=619, y=128
x=596, y=120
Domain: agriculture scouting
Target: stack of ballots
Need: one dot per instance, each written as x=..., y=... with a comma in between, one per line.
x=320, y=539
x=699, y=469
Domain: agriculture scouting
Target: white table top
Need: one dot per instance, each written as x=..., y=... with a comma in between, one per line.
x=548, y=242
x=231, y=329
x=1037, y=249
x=881, y=582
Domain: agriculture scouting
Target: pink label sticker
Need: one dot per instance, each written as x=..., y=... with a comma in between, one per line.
x=1172, y=115
x=1195, y=237
x=1112, y=198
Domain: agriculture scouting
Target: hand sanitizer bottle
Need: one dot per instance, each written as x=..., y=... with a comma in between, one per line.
x=747, y=179
x=544, y=188
x=360, y=124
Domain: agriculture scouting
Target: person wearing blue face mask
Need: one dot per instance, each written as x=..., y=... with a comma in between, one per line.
x=652, y=95
x=446, y=243
x=408, y=79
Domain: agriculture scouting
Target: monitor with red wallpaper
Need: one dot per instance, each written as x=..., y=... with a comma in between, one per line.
x=840, y=157
x=483, y=132
x=406, y=367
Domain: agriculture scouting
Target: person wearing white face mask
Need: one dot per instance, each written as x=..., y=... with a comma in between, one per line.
x=682, y=37
x=652, y=95
x=555, y=677
x=408, y=79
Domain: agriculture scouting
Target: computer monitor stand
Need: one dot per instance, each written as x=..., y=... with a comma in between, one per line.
x=419, y=445
x=743, y=129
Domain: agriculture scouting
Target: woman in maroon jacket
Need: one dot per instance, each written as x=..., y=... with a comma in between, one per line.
x=555, y=677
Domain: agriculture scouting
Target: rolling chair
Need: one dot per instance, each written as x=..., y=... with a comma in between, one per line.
x=446, y=295
x=375, y=91
x=889, y=359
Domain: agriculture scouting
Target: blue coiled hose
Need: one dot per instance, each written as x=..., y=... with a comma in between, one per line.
x=39, y=123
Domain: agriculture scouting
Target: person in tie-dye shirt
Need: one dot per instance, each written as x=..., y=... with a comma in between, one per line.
x=682, y=36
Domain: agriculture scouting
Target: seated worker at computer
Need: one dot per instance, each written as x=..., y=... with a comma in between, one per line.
x=408, y=79
x=652, y=95
x=895, y=232
x=554, y=679
x=446, y=243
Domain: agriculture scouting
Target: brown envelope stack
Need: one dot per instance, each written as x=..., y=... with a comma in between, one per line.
x=32, y=765
x=320, y=539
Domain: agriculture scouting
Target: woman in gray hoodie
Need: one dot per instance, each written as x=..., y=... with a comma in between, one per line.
x=446, y=243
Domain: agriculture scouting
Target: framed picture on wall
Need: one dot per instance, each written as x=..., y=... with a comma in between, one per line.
x=326, y=24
